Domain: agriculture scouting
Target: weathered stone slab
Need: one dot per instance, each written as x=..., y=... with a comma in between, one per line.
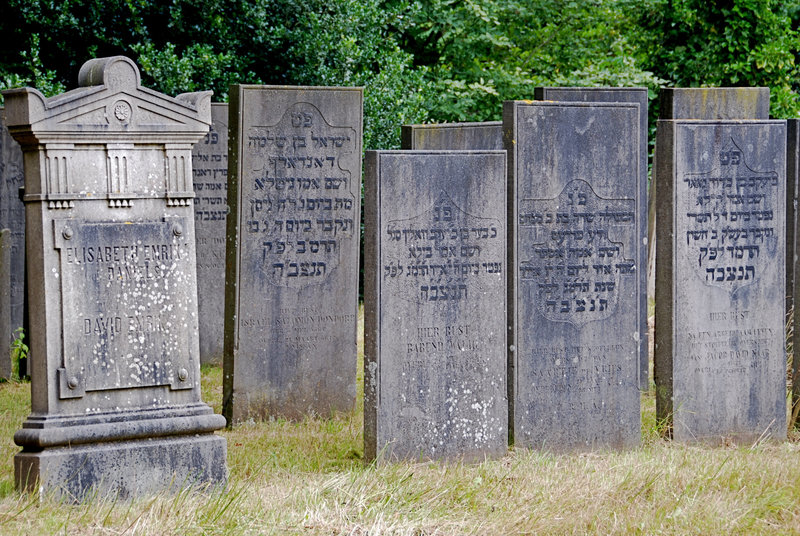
x=792, y=189
x=5, y=301
x=576, y=309
x=621, y=94
x=453, y=136
x=714, y=103
x=210, y=174
x=435, y=283
x=720, y=362
x=113, y=299
x=12, y=217
x=292, y=258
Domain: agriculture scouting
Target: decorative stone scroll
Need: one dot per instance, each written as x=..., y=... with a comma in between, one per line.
x=435, y=337
x=116, y=403
x=575, y=293
x=291, y=298
x=720, y=361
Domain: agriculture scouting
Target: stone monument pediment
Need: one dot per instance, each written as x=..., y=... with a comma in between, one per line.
x=111, y=101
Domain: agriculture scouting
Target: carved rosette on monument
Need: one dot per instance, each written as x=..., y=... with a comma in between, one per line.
x=116, y=401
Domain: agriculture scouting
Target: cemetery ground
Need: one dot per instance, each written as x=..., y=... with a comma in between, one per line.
x=309, y=478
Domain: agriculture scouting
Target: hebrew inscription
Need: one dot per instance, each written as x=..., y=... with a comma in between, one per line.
x=580, y=252
x=436, y=255
x=729, y=214
x=302, y=207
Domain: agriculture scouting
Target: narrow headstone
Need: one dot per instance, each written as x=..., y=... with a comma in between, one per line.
x=12, y=217
x=792, y=189
x=720, y=366
x=714, y=103
x=5, y=302
x=575, y=299
x=434, y=298
x=116, y=405
x=453, y=136
x=210, y=173
x=621, y=94
x=291, y=298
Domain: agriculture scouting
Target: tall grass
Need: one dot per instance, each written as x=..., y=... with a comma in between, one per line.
x=309, y=478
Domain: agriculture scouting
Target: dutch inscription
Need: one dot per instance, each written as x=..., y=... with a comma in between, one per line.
x=130, y=324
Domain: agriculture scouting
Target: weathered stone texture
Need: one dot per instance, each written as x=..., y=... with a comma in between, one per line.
x=435, y=331
x=720, y=361
x=292, y=252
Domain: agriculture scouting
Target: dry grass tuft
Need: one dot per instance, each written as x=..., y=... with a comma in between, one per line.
x=309, y=478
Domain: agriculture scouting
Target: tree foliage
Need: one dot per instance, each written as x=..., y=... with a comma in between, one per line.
x=417, y=60
x=727, y=43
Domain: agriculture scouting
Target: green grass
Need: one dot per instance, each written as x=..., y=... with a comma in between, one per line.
x=309, y=478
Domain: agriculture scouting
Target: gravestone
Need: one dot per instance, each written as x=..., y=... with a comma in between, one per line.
x=434, y=299
x=210, y=173
x=714, y=103
x=5, y=301
x=291, y=297
x=621, y=94
x=574, y=295
x=792, y=188
x=115, y=392
x=719, y=362
x=12, y=217
x=451, y=136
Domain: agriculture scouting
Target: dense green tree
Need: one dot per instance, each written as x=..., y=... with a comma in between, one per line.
x=726, y=43
x=482, y=52
x=191, y=45
x=417, y=60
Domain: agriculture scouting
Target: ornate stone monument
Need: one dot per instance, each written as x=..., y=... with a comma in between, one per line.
x=116, y=401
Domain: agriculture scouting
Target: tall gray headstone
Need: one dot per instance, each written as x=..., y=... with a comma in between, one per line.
x=639, y=96
x=720, y=360
x=792, y=188
x=5, y=302
x=575, y=295
x=115, y=394
x=434, y=298
x=210, y=173
x=714, y=103
x=453, y=136
x=12, y=217
x=291, y=297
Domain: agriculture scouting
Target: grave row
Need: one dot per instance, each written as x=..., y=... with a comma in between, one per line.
x=505, y=280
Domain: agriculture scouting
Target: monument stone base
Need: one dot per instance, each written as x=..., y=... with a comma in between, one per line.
x=124, y=468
